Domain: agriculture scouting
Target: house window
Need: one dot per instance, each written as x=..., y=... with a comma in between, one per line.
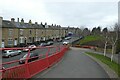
x=21, y=31
x=42, y=32
x=30, y=32
x=10, y=41
x=21, y=39
x=36, y=32
x=30, y=39
x=10, y=32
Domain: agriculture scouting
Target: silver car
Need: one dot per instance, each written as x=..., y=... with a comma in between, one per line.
x=10, y=53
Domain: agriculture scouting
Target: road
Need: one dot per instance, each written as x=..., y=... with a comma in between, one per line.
x=75, y=64
x=39, y=51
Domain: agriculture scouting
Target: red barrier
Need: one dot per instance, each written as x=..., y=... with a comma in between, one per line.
x=28, y=70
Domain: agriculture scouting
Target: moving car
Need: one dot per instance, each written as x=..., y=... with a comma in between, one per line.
x=10, y=53
x=32, y=57
x=66, y=42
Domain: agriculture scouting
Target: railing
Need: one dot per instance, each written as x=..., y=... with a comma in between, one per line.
x=29, y=69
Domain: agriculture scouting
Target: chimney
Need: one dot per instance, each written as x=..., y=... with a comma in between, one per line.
x=1, y=18
x=17, y=19
x=12, y=20
x=36, y=23
x=41, y=23
x=45, y=23
x=22, y=20
x=30, y=22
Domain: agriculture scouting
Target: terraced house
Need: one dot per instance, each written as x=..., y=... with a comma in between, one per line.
x=20, y=33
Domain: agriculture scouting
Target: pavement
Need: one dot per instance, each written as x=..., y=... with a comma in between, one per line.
x=115, y=58
x=75, y=64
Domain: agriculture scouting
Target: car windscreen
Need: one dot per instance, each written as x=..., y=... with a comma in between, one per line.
x=4, y=51
x=25, y=56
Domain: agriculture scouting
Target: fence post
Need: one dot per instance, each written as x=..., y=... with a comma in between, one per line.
x=26, y=64
x=47, y=54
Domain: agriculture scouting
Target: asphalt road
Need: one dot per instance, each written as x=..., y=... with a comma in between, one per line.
x=39, y=51
x=75, y=64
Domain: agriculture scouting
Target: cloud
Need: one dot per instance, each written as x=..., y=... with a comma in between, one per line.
x=62, y=12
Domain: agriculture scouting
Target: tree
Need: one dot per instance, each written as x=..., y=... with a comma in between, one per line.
x=105, y=36
x=98, y=30
x=94, y=31
x=86, y=32
x=114, y=37
x=105, y=31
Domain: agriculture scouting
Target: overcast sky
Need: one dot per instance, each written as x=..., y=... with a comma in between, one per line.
x=63, y=12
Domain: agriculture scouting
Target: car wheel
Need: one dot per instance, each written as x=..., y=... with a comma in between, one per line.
x=9, y=56
x=19, y=53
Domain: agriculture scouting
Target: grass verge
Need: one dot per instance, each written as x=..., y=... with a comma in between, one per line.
x=90, y=38
x=113, y=65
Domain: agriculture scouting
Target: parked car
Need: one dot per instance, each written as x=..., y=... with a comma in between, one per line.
x=50, y=43
x=10, y=53
x=59, y=40
x=25, y=49
x=66, y=42
x=32, y=47
x=43, y=44
x=32, y=57
x=67, y=38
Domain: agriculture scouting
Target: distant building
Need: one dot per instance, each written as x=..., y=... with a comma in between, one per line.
x=20, y=33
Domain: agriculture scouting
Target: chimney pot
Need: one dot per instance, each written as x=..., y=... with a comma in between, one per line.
x=22, y=20
x=18, y=19
x=12, y=20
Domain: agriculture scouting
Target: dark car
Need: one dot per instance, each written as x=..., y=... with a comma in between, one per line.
x=33, y=56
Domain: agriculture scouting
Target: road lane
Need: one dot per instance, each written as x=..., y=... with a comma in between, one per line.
x=75, y=64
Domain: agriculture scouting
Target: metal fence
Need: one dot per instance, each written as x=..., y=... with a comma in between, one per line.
x=29, y=69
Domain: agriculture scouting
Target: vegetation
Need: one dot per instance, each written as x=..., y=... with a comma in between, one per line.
x=90, y=38
x=113, y=65
x=102, y=50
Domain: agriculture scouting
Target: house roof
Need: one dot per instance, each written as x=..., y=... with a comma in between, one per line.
x=8, y=24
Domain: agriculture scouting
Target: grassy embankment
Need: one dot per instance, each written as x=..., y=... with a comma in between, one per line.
x=94, y=40
x=89, y=39
x=113, y=65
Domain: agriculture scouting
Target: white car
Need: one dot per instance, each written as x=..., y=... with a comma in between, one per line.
x=25, y=49
x=66, y=42
x=10, y=53
x=67, y=38
x=32, y=47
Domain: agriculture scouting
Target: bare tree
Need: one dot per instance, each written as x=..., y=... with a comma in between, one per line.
x=105, y=39
x=113, y=40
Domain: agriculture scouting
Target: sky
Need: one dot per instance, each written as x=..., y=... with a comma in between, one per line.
x=73, y=13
